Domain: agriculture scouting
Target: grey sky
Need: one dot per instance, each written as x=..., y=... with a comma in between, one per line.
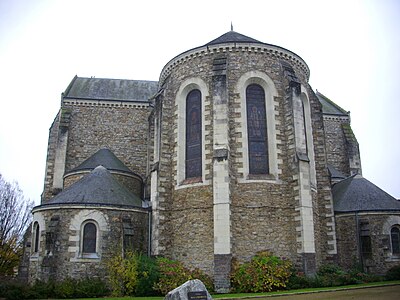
x=352, y=48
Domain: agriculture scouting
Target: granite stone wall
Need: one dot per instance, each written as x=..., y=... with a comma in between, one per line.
x=120, y=129
x=51, y=151
x=380, y=259
x=263, y=214
x=60, y=256
x=90, y=127
x=341, y=145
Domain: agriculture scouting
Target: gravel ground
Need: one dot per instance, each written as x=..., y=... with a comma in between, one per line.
x=370, y=293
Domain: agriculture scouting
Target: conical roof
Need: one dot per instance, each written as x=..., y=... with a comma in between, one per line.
x=97, y=187
x=356, y=194
x=232, y=37
x=103, y=157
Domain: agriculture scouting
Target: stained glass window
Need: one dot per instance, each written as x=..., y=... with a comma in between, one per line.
x=89, y=238
x=193, y=161
x=395, y=237
x=36, y=237
x=257, y=130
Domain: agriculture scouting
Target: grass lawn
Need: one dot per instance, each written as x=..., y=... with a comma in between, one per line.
x=236, y=296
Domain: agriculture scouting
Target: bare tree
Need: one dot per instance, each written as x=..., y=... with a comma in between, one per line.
x=15, y=216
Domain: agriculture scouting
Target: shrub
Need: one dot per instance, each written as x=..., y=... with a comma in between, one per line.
x=65, y=289
x=69, y=288
x=264, y=273
x=173, y=274
x=298, y=280
x=148, y=276
x=91, y=288
x=329, y=275
x=13, y=290
x=123, y=274
x=41, y=290
x=393, y=273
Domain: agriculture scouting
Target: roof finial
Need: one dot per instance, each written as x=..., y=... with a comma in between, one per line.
x=231, y=26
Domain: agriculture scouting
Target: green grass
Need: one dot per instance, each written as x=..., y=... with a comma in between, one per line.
x=286, y=292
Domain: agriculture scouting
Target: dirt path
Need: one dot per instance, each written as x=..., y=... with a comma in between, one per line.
x=372, y=293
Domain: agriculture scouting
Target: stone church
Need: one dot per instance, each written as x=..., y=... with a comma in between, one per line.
x=229, y=153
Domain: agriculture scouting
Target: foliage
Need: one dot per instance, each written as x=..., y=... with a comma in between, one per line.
x=173, y=274
x=264, y=273
x=123, y=274
x=88, y=288
x=15, y=214
x=328, y=276
x=68, y=288
x=393, y=273
x=140, y=275
x=148, y=275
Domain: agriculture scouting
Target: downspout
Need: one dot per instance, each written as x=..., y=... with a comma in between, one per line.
x=359, y=242
x=149, y=216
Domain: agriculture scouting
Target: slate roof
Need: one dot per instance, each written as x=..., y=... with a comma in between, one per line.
x=329, y=107
x=232, y=37
x=356, y=194
x=97, y=187
x=111, y=89
x=105, y=158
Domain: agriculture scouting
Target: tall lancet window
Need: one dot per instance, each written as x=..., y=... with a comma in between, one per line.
x=193, y=161
x=395, y=239
x=257, y=130
x=36, y=237
x=89, y=238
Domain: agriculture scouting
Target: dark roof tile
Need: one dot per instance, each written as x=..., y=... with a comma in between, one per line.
x=329, y=107
x=97, y=187
x=232, y=37
x=356, y=194
x=111, y=89
x=104, y=157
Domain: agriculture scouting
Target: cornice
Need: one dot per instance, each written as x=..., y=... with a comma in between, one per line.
x=58, y=206
x=267, y=49
x=105, y=103
x=336, y=117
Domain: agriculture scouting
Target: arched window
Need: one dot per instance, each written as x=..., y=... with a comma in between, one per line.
x=257, y=130
x=395, y=239
x=193, y=163
x=36, y=237
x=89, y=238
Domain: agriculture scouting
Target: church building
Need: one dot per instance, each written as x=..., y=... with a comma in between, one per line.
x=229, y=153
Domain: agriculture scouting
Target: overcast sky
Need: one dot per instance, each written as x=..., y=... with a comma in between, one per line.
x=351, y=47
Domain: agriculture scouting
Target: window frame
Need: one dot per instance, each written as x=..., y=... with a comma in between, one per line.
x=36, y=238
x=84, y=254
x=395, y=227
x=193, y=103
x=185, y=88
x=271, y=107
x=260, y=134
